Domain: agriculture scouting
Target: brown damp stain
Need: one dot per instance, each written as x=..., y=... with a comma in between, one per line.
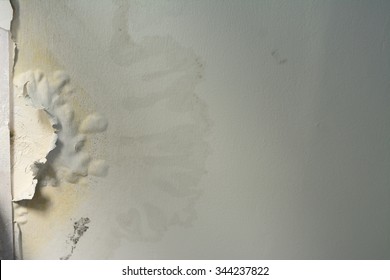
x=47, y=62
x=45, y=58
x=53, y=206
x=50, y=210
x=44, y=218
x=37, y=55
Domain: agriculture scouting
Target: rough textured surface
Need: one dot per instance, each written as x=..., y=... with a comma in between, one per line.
x=48, y=143
x=79, y=228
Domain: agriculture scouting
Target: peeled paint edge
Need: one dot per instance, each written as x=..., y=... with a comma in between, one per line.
x=32, y=143
x=49, y=144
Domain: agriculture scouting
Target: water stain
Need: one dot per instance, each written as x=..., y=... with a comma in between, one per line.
x=123, y=49
x=161, y=154
x=50, y=209
x=158, y=124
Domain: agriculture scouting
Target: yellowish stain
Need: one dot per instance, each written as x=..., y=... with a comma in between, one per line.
x=50, y=210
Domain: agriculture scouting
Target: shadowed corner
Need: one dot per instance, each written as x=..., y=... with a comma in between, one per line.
x=6, y=243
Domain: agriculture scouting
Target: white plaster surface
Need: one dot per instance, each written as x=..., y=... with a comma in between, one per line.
x=6, y=219
x=236, y=129
x=5, y=14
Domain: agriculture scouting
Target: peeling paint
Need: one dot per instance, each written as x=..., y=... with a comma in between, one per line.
x=49, y=146
x=79, y=228
x=153, y=146
x=48, y=141
x=279, y=186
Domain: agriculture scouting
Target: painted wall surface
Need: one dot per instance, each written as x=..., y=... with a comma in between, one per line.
x=206, y=129
x=6, y=63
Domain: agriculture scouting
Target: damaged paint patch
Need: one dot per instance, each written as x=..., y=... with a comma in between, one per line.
x=48, y=142
x=158, y=126
x=79, y=228
x=33, y=133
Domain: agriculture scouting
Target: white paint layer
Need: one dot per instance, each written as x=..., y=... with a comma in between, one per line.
x=6, y=219
x=5, y=14
x=48, y=143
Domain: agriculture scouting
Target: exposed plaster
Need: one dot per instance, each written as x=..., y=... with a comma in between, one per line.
x=6, y=58
x=158, y=146
x=48, y=144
